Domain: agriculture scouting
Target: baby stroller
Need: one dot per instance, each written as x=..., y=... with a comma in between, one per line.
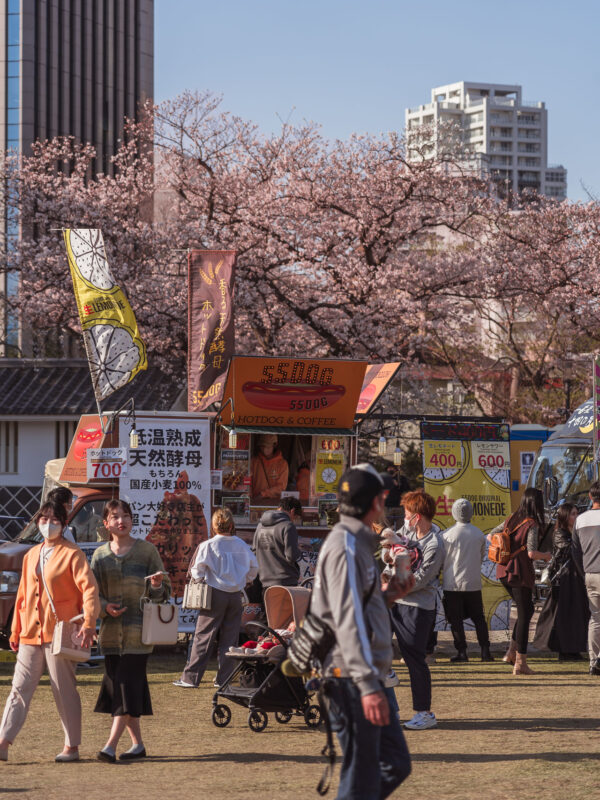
x=257, y=682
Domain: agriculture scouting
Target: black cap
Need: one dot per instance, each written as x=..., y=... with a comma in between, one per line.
x=387, y=480
x=357, y=489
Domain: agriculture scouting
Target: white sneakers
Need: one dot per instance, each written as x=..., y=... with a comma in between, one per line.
x=421, y=721
x=184, y=684
x=391, y=680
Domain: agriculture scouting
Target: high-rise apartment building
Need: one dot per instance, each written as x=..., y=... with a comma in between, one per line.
x=504, y=135
x=70, y=67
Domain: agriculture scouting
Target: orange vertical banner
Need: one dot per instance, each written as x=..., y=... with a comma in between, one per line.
x=211, y=336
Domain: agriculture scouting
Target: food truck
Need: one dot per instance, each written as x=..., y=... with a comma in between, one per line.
x=286, y=427
x=564, y=466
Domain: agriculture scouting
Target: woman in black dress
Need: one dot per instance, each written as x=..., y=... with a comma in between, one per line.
x=563, y=623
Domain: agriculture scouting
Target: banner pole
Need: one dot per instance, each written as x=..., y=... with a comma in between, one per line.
x=596, y=400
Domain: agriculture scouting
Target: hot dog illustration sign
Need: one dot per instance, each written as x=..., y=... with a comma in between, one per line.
x=294, y=391
x=292, y=397
x=87, y=436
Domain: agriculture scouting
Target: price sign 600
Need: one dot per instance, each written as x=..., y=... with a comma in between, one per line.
x=491, y=461
x=491, y=455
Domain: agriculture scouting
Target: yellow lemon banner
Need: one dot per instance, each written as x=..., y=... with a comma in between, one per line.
x=114, y=347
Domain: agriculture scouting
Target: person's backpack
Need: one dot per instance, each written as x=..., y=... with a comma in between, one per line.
x=499, y=549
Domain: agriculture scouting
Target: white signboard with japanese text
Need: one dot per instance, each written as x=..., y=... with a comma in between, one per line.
x=168, y=487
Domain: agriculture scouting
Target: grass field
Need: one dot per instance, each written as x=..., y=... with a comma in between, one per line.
x=499, y=737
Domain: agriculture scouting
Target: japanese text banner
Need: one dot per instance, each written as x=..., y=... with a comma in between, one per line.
x=115, y=350
x=210, y=324
x=167, y=484
x=596, y=399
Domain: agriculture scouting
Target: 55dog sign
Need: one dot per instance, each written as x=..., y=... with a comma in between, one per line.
x=295, y=392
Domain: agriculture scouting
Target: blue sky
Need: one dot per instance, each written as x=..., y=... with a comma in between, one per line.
x=355, y=66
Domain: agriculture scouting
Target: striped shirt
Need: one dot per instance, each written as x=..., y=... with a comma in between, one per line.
x=121, y=580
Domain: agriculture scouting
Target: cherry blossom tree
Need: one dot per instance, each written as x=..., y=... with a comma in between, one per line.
x=323, y=231
x=345, y=248
x=531, y=318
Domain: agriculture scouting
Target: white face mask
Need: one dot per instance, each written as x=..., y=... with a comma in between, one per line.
x=50, y=530
x=410, y=526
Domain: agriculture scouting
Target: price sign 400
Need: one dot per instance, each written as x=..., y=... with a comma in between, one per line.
x=443, y=460
x=443, y=455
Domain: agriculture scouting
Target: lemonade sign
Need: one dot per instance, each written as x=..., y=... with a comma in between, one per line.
x=115, y=350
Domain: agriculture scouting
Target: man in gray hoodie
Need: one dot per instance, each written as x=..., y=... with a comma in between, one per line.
x=348, y=597
x=465, y=547
x=276, y=545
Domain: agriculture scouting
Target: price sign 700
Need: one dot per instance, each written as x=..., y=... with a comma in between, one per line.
x=107, y=463
x=106, y=469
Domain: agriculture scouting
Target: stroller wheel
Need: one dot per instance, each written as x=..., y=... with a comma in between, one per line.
x=221, y=716
x=257, y=721
x=283, y=716
x=312, y=716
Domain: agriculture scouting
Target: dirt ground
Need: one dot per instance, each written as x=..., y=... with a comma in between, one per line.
x=499, y=737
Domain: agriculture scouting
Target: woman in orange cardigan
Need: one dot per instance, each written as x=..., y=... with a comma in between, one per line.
x=72, y=586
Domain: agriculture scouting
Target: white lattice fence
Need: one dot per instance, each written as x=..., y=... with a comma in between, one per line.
x=17, y=505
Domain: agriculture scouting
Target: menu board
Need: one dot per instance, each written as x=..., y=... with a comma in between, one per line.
x=329, y=457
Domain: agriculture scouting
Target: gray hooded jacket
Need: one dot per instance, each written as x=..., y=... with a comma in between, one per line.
x=346, y=574
x=276, y=547
x=424, y=592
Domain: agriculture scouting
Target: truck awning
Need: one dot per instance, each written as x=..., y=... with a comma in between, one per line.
x=290, y=430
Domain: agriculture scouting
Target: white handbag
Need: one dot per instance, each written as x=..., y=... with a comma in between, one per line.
x=64, y=639
x=160, y=622
x=197, y=595
x=65, y=642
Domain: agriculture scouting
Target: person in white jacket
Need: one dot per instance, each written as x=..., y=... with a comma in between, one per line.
x=465, y=547
x=227, y=564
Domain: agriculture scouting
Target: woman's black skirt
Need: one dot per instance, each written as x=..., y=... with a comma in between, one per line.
x=124, y=688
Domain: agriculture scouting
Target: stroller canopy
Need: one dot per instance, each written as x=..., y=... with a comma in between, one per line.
x=285, y=604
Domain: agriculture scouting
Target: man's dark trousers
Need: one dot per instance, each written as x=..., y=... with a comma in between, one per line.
x=412, y=626
x=459, y=606
x=375, y=759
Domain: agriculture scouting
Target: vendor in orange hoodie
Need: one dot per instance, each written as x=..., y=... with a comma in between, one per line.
x=270, y=471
